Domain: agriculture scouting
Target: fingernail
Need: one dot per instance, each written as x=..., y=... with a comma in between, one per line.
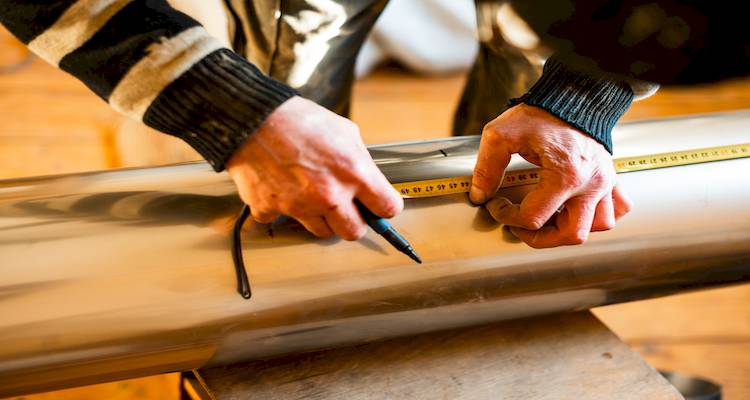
x=477, y=195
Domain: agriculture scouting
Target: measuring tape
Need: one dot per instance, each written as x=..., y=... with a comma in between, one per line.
x=461, y=184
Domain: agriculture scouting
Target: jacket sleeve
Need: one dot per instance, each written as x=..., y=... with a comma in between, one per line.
x=591, y=102
x=153, y=63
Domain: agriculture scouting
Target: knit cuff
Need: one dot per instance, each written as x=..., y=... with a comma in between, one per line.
x=588, y=102
x=216, y=105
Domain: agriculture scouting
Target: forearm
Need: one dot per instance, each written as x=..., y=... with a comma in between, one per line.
x=154, y=64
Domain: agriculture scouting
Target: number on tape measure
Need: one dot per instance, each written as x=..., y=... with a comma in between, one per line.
x=687, y=157
x=434, y=187
x=461, y=184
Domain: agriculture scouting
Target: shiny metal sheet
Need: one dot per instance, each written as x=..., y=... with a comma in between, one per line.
x=125, y=273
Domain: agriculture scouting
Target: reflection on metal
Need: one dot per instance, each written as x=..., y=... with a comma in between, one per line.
x=125, y=273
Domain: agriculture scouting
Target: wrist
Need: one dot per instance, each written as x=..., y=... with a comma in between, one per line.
x=216, y=105
x=593, y=104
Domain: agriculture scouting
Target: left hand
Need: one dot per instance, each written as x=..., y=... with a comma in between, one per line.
x=577, y=174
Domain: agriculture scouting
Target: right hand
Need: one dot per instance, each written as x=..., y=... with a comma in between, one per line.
x=310, y=164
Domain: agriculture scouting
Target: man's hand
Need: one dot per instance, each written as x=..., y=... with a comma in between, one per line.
x=310, y=164
x=576, y=172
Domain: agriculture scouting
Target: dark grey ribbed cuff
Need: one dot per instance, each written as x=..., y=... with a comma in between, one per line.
x=590, y=103
x=216, y=105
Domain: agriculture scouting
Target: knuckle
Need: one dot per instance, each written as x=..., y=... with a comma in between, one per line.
x=393, y=207
x=389, y=206
x=353, y=232
x=607, y=225
x=532, y=222
x=362, y=174
x=361, y=231
x=387, y=211
x=603, y=181
x=598, y=180
x=491, y=132
x=537, y=223
x=264, y=215
x=320, y=198
x=627, y=206
x=572, y=178
x=348, y=165
x=245, y=196
x=289, y=207
x=327, y=201
x=350, y=126
x=259, y=208
x=578, y=236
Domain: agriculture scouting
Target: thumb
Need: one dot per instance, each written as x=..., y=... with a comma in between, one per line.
x=493, y=158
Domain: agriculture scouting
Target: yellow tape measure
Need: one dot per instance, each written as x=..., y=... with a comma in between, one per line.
x=461, y=184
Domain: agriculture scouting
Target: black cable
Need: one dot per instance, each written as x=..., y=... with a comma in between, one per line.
x=243, y=285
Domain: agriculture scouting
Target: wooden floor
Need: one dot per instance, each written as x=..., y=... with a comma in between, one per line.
x=49, y=123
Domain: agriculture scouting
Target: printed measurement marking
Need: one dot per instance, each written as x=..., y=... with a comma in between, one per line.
x=461, y=184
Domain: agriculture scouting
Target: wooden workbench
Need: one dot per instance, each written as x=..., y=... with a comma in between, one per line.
x=568, y=356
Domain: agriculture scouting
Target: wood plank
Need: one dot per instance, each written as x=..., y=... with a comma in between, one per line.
x=12, y=52
x=394, y=105
x=683, y=100
x=137, y=145
x=161, y=387
x=710, y=314
x=524, y=359
x=38, y=115
x=55, y=157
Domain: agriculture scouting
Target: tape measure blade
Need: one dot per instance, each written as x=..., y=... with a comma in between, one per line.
x=681, y=158
x=434, y=187
x=462, y=184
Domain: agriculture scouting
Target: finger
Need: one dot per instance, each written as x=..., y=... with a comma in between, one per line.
x=535, y=209
x=493, y=158
x=346, y=222
x=604, y=216
x=622, y=204
x=317, y=226
x=263, y=217
x=573, y=225
x=259, y=210
x=377, y=194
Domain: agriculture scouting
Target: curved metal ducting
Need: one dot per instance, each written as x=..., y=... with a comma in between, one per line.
x=119, y=274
